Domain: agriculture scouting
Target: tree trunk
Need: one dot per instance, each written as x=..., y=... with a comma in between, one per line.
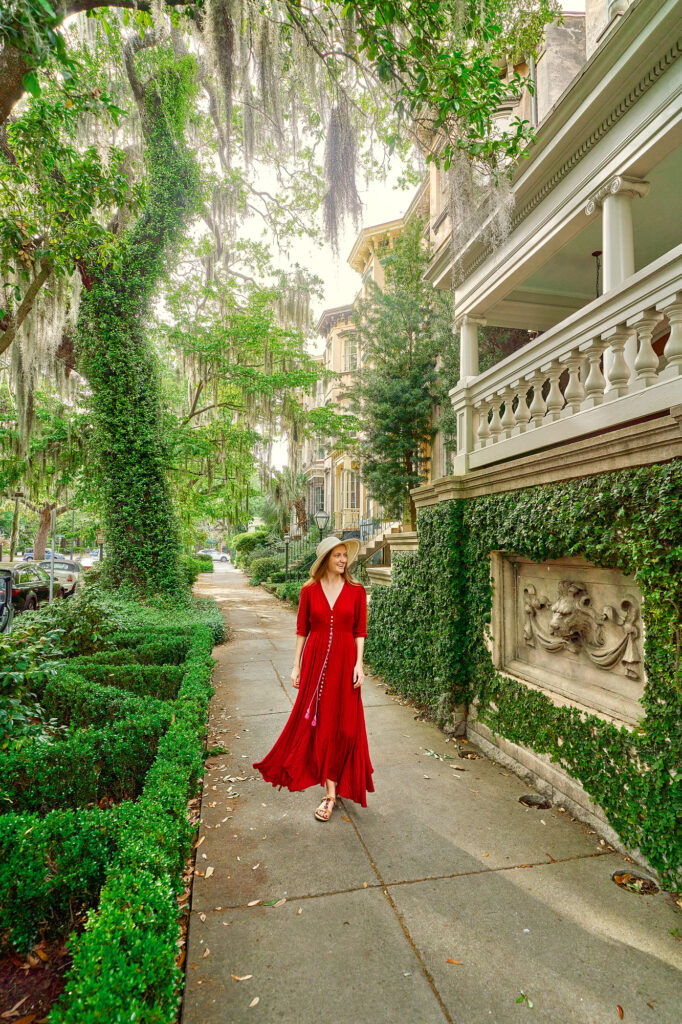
x=411, y=507
x=43, y=533
x=129, y=442
x=15, y=531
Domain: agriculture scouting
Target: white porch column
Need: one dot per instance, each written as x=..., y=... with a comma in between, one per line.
x=468, y=345
x=618, y=246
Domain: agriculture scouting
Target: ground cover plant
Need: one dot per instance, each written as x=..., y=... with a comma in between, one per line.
x=94, y=829
x=427, y=636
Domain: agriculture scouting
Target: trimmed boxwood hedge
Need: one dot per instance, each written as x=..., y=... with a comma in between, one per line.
x=123, y=865
x=162, y=681
x=427, y=635
x=87, y=766
x=124, y=962
x=50, y=867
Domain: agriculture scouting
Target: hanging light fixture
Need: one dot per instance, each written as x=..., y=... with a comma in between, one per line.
x=597, y=255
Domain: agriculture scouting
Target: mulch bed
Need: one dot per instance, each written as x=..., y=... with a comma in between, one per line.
x=29, y=985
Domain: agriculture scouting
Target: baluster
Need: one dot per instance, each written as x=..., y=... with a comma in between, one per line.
x=673, y=346
x=508, y=420
x=646, y=363
x=574, y=391
x=555, y=400
x=483, y=428
x=537, y=406
x=522, y=414
x=495, y=422
x=595, y=384
x=618, y=372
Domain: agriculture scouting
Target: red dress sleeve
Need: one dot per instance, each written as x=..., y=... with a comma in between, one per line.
x=303, y=618
x=360, y=623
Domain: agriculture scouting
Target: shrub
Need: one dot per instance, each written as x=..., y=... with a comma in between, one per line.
x=261, y=568
x=79, y=702
x=85, y=767
x=290, y=591
x=205, y=561
x=244, y=543
x=50, y=865
x=162, y=681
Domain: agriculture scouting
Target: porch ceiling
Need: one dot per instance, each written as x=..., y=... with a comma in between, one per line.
x=567, y=281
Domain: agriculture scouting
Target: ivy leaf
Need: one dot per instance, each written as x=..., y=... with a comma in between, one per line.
x=30, y=83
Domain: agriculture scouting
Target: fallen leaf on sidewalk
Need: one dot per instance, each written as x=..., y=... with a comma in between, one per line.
x=206, y=953
x=202, y=917
x=458, y=962
x=345, y=818
x=427, y=776
x=209, y=872
x=253, y=903
x=254, y=1002
x=300, y=910
x=280, y=903
x=620, y=1011
x=486, y=854
x=243, y=977
x=364, y=885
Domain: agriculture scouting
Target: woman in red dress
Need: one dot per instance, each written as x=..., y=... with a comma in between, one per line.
x=324, y=741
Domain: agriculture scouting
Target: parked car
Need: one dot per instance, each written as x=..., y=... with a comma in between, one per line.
x=217, y=556
x=66, y=575
x=28, y=554
x=30, y=586
x=6, y=610
x=87, y=561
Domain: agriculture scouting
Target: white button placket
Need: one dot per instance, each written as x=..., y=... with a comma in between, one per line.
x=320, y=682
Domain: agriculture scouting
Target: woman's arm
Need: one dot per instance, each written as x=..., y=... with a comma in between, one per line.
x=358, y=671
x=296, y=670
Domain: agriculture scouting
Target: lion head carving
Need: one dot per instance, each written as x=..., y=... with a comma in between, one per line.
x=572, y=617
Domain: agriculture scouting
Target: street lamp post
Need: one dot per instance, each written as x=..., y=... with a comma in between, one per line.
x=322, y=520
x=287, y=538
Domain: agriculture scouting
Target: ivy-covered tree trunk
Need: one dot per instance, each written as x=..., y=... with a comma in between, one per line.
x=130, y=451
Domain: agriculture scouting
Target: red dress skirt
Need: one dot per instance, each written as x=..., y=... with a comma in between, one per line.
x=325, y=736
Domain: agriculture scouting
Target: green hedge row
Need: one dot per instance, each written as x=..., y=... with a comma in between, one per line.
x=162, y=681
x=124, y=962
x=79, y=702
x=84, y=768
x=52, y=868
x=428, y=634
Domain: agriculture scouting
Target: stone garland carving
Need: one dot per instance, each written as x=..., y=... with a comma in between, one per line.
x=575, y=626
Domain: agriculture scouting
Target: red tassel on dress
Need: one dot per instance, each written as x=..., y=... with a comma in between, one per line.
x=325, y=736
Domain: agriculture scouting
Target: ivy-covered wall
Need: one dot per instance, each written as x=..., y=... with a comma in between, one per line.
x=427, y=635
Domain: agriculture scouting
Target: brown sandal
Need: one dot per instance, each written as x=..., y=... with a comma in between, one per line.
x=323, y=807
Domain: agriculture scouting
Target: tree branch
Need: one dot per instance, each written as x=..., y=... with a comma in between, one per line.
x=15, y=321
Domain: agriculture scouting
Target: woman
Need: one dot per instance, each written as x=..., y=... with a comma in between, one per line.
x=324, y=741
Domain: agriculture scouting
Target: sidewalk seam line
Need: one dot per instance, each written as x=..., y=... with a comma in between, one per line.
x=401, y=922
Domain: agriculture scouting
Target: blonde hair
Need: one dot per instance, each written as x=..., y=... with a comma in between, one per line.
x=322, y=568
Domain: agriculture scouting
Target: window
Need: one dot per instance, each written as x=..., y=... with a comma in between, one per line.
x=350, y=354
x=319, y=449
x=318, y=497
x=351, y=489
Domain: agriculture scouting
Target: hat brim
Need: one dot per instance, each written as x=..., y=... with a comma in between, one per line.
x=352, y=549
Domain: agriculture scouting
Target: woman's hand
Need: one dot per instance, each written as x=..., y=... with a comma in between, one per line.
x=358, y=675
x=296, y=677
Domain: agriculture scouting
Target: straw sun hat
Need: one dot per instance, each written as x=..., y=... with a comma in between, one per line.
x=328, y=544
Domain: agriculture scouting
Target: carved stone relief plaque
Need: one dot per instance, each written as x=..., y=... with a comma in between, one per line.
x=573, y=629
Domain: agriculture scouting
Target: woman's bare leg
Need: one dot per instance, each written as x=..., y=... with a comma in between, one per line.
x=331, y=788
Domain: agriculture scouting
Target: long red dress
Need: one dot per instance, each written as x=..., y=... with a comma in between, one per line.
x=325, y=736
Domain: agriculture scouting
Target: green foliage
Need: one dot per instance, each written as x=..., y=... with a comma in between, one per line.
x=629, y=520
x=205, y=563
x=86, y=767
x=262, y=568
x=26, y=662
x=244, y=543
x=50, y=864
x=161, y=681
x=401, y=329
x=129, y=447
x=289, y=591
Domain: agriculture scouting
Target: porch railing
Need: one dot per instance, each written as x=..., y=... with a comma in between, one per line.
x=595, y=370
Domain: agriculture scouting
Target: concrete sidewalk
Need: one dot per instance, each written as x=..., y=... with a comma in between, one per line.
x=444, y=900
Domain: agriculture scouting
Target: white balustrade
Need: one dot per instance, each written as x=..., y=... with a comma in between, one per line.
x=586, y=373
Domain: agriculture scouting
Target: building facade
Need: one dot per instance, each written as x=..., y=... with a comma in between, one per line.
x=550, y=544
